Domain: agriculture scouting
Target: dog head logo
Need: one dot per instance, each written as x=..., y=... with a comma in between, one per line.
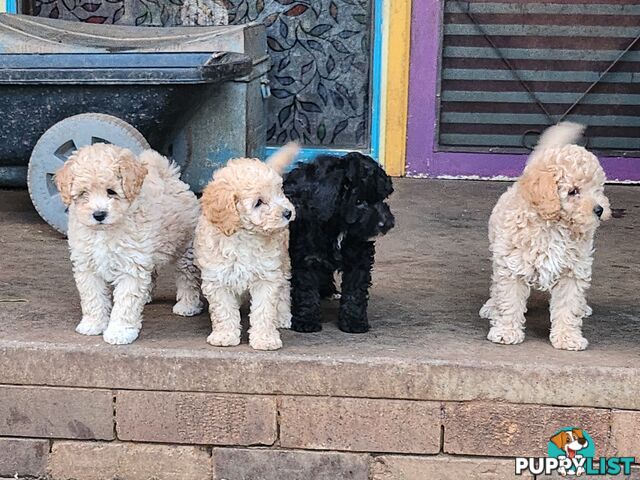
x=571, y=445
x=570, y=441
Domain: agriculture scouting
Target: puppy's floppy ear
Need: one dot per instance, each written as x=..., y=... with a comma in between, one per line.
x=326, y=195
x=63, y=179
x=132, y=173
x=538, y=186
x=219, y=206
x=559, y=440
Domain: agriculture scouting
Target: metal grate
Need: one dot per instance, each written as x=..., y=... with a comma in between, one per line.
x=510, y=69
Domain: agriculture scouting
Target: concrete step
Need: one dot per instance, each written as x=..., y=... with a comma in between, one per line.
x=424, y=368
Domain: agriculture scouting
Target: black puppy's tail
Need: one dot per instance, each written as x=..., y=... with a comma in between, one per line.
x=283, y=157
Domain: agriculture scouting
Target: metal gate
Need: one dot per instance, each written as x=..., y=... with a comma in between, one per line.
x=511, y=68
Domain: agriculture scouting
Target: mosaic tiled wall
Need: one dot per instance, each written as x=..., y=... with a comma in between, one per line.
x=320, y=51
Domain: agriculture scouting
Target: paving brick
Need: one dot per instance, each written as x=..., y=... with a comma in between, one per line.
x=201, y=418
x=509, y=430
x=23, y=456
x=56, y=412
x=625, y=434
x=263, y=464
x=359, y=424
x=127, y=461
x=392, y=467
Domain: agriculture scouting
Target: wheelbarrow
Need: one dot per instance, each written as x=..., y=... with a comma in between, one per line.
x=199, y=108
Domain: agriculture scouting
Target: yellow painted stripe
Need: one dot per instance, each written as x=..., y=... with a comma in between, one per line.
x=3, y=6
x=395, y=110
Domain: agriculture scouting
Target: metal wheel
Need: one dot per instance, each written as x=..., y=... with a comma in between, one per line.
x=58, y=143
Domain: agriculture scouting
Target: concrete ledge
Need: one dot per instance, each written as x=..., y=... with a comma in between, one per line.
x=248, y=372
x=427, y=341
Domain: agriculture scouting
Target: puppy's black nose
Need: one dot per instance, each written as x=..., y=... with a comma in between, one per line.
x=598, y=210
x=100, y=215
x=287, y=214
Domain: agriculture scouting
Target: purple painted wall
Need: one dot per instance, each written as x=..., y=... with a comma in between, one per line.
x=423, y=159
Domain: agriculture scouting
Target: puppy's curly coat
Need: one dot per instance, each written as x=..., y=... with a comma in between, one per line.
x=340, y=210
x=241, y=246
x=541, y=233
x=127, y=217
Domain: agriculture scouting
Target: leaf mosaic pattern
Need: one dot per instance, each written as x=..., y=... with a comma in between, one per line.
x=320, y=50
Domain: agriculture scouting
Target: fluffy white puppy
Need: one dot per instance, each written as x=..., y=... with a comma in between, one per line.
x=541, y=233
x=242, y=247
x=127, y=217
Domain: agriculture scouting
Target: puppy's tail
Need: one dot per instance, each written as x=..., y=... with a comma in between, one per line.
x=564, y=133
x=283, y=157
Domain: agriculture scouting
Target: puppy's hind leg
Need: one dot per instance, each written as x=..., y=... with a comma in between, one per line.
x=567, y=308
x=284, y=306
x=509, y=295
x=188, y=302
x=488, y=309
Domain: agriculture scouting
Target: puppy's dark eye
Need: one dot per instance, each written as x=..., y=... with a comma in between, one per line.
x=258, y=203
x=574, y=191
x=111, y=193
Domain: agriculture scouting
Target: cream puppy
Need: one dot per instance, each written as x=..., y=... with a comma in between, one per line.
x=541, y=234
x=242, y=247
x=127, y=217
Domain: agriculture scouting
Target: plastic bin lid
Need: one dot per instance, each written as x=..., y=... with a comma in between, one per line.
x=123, y=68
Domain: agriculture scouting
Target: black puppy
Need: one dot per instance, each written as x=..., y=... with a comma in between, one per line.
x=340, y=209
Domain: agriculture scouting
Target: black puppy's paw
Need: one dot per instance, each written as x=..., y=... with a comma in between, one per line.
x=305, y=327
x=354, y=327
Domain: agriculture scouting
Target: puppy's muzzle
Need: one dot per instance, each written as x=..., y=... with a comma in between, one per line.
x=598, y=210
x=99, y=215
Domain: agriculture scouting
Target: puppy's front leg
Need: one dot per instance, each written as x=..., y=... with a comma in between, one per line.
x=95, y=300
x=567, y=307
x=509, y=302
x=305, y=301
x=129, y=297
x=264, y=316
x=357, y=261
x=224, y=310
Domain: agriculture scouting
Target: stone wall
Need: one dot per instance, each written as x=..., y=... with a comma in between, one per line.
x=76, y=433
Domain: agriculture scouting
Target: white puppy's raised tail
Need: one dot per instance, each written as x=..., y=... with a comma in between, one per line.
x=283, y=157
x=564, y=133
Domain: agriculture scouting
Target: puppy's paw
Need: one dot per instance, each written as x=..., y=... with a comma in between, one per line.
x=354, y=327
x=487, y=310
x=569, y=341
x=120, y=334
x=265, y=341
x=305, y=327
x=188, y=308
x=91, y=326
x=224, y=338
x=505, y=336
